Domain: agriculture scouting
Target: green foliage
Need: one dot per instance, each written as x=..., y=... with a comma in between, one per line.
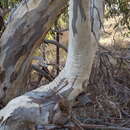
x=9, y=3
x=119, y=8
x=112, y=8
x=61, y=23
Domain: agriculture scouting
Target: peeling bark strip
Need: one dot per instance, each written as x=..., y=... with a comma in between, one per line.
x=96, y=17
x=22, y=36
x=77, y=6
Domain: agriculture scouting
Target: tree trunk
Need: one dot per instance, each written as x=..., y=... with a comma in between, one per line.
x=26, y=31
x=52, y=103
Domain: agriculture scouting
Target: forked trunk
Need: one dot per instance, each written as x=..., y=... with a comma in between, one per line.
x=52, y=103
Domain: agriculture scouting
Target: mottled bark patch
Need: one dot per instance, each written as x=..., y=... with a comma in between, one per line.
x=2, y=76
x=77, y=5
x=13, y=77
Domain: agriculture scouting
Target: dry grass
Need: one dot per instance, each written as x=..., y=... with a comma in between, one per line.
x=114, y=36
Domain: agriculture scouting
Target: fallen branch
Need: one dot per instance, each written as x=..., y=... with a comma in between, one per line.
x=86, y=126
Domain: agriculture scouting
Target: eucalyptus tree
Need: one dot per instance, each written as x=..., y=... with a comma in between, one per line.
x=51, y=103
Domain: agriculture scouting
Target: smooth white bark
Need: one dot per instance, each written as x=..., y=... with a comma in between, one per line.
x=83, y=44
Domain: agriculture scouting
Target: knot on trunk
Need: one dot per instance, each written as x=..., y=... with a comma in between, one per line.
x=62, y=112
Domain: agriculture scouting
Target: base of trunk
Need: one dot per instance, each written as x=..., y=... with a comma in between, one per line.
x=50, y=104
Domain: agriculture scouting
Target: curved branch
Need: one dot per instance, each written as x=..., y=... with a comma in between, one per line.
x=43, y=73
x=22, y=36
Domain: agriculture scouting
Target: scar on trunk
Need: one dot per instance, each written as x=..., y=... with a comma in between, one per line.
x=2, y=76
x=77, y=4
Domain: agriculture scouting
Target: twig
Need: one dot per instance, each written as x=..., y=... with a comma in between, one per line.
x=55, y=43
x=77, y=123
x=60, y=31
x=43, y=73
